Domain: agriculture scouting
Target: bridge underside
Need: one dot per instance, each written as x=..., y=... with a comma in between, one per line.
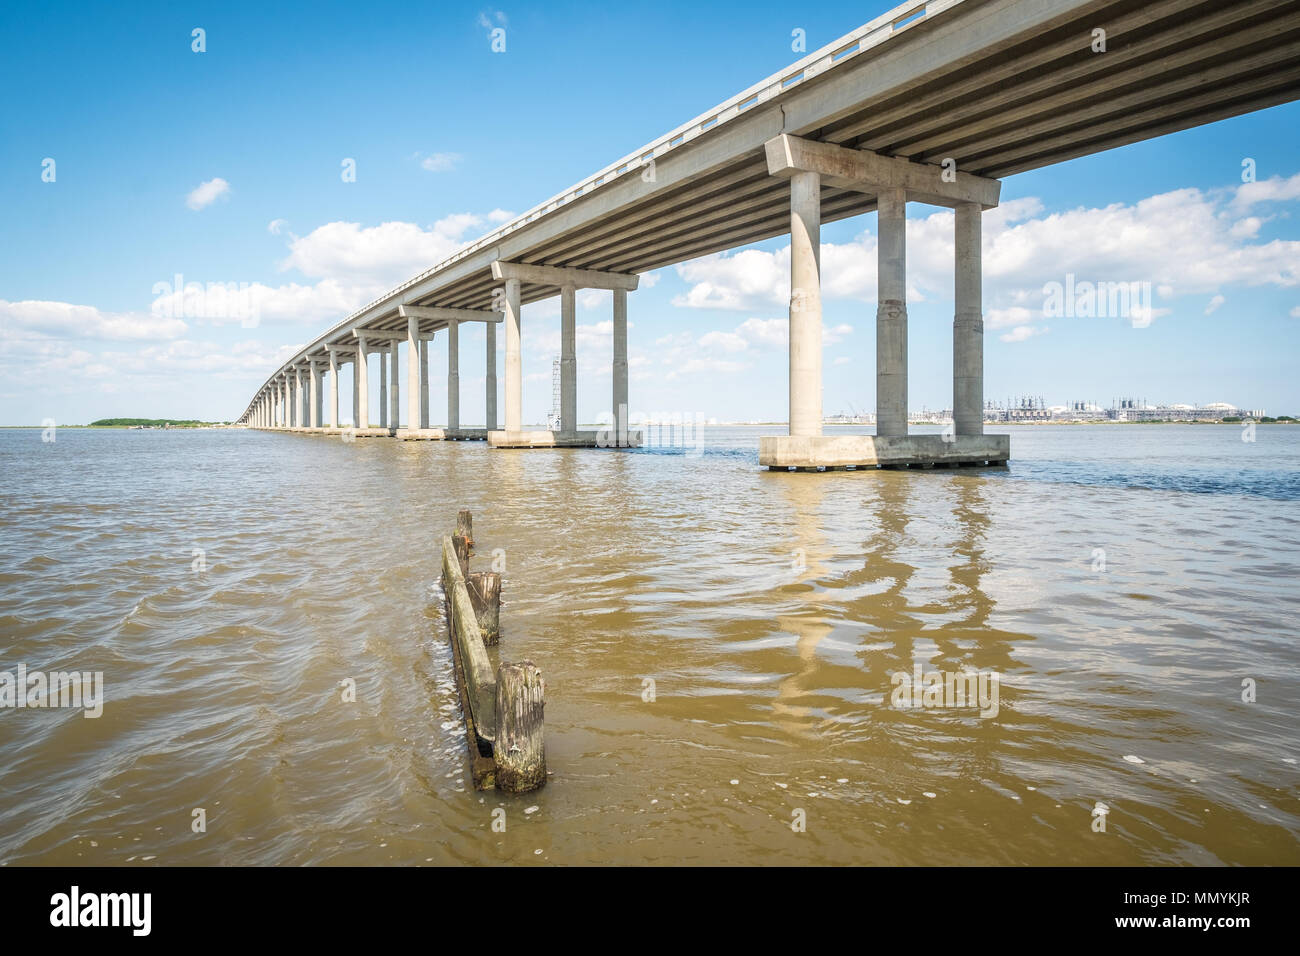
x=1022, y=100
x=995, y=86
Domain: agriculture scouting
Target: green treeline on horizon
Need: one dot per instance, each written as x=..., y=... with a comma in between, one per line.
x=156, y=422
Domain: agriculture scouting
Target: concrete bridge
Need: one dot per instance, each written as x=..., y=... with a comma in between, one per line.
x=934, y=102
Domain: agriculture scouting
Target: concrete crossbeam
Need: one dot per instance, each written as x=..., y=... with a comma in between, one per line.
x=870, y=172
x=561, y=277
x=438, y=314
x=385, y=335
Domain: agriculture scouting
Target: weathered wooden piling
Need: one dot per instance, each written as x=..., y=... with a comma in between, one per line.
x=475, y=676
x=485, y=594
x=520, y=749
x=509, y=700
x=461, y=545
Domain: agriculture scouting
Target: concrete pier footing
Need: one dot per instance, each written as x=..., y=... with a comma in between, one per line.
x=881, y=451
x=441, y=434
x=544, y=438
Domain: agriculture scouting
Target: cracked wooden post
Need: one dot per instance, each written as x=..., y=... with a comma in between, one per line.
x=465, y=526
x=519, y=748
x=461, y=545
x=485, y=592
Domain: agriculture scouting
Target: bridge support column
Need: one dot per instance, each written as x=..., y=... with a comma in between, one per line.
x=805, y=305
x=334, y=389
x=490, y=348
x=453, y=375
x=413, y=349
x=891, y=313
x=394, y=393
x=320, y=398
x=383, y=388
x=514, y=366
x=619, y=398
x=568, y=361
x=361, y=385
x=315, y=395
x=424, y=382
x=968, y=326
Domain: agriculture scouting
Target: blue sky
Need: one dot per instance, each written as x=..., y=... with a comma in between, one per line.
x=449, y=137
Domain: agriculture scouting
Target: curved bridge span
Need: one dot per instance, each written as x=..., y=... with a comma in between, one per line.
x=933, y=102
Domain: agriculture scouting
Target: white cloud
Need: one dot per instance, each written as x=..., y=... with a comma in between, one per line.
x=64, y=320
x=498, y=216
x=440, y=162
x=205, y=194
x=1273, y=189
x=1184, y=242
x=1246, y=228
x=727, y=341
x=1022, y=332
x=1214, y=304
x=1012, y=315
x=1295, y=313
x=773, y=333
x=275, y=225
x=382, y=255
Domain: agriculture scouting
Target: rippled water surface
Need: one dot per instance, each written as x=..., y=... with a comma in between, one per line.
x=770, y=611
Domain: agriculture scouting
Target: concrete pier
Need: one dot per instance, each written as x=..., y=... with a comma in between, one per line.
x=394, y=396
x=361, y=385
x=968, y=325
x=424, y=381
x=619, y=398
x=568, y=361
x=490, y=348
x=894, y=182
x=891, y=313
x=315, y=395
x=514, y=361
x=565, y=282
x=805, y=305
x=383, y=387
x=453, y=375
x=334, y=388
x=414, y=380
